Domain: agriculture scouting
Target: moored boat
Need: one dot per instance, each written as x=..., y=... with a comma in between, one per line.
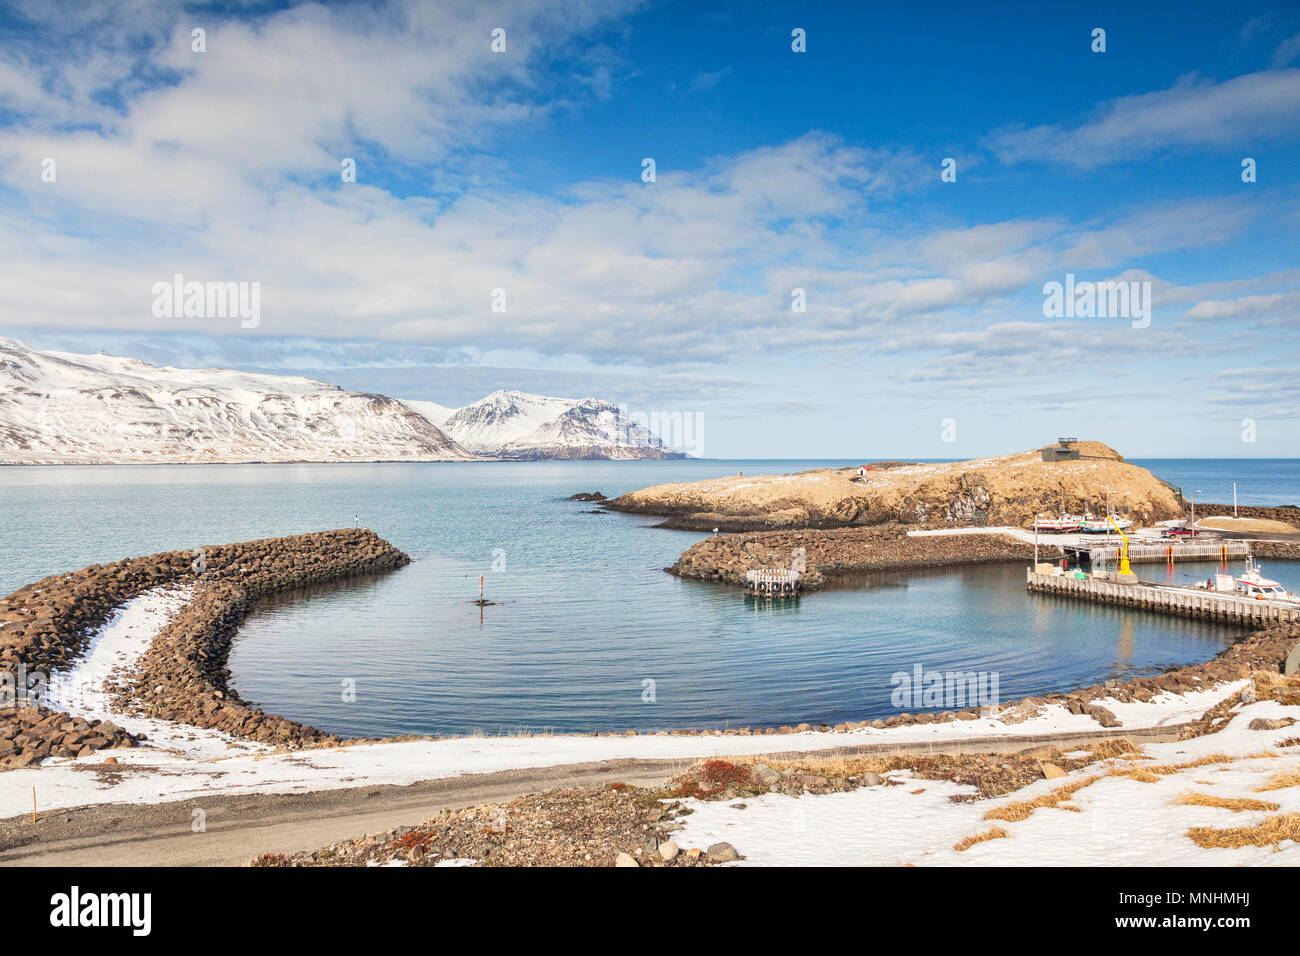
x=1056, y=524
x=1252, y=584
x=1091, y=524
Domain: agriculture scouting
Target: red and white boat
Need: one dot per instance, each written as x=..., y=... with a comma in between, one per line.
x=1253, y=584
x=1056, y=524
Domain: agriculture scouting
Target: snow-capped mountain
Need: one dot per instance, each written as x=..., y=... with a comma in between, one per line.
x=61, y=408
x=516, y=425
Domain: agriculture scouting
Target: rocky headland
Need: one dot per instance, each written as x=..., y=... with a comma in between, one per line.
x=1004, y=490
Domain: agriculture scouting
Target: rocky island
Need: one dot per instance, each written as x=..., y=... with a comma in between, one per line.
x=1003, y=490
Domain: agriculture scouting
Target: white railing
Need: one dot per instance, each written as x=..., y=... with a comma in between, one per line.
x=772, y=580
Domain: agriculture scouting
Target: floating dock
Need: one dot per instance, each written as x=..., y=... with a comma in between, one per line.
x=1166, y=599
x=768, y=582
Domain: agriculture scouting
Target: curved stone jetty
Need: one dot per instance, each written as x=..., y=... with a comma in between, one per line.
x=183, y=676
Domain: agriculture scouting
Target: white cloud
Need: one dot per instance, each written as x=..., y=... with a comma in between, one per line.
x=1237, y=112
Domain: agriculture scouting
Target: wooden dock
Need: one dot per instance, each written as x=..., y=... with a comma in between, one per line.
x=768, y=582
x=1166, y=599
x=1108, y=553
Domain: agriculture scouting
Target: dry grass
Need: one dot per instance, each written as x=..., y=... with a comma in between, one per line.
x=1236, y=804
x=1019, y=810
x=1269, y=833
x=1282, y=780
x=1115, y=747
x=1057, y=799
x=992, y=833
x=1257, y=525
x=1141, y=775
x=992, y=775
x=1273, y=686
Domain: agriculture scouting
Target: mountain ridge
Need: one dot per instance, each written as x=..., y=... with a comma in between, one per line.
x=66, y=408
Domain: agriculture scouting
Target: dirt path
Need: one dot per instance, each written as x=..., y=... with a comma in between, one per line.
x=239, y=828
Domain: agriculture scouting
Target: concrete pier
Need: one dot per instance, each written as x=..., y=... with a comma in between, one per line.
x=1166, y=599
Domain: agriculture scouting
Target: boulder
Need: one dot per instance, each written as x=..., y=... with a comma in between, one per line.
x=722, y=853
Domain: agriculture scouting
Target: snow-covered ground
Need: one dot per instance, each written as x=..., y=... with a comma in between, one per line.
x=1116, y=821
x=178, y=761
x=118, y=645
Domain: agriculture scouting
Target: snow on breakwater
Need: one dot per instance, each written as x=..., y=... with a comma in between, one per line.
x=45, y=626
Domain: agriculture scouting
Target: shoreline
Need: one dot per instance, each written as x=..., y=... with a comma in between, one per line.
x=186, y=654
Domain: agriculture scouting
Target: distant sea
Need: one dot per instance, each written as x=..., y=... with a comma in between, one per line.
x=1260, y=481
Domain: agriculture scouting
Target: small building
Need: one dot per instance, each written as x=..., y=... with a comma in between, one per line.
x=1061, y=451
x=863, y=469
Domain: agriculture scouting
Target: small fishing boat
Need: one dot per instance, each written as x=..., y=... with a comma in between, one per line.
x=1056, y=524
x=1252, y=584
x=1091, y=524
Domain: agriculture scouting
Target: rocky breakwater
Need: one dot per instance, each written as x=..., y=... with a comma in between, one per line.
x=183, y=676
x=824, y=554
x=45, y=625
x=1004, y=490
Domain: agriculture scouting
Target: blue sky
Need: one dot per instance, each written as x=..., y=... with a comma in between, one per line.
x=775, y=171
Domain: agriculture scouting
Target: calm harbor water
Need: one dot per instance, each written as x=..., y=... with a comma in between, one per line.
x=585, y=616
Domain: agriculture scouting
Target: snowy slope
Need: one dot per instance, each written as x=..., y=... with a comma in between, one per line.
x=508, y=424
x=434, y=412
x=63, y=408
x=501, y=418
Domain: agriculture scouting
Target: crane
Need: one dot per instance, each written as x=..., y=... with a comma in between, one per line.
x=1125, y=573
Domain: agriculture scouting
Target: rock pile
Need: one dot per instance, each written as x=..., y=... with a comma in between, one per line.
x=823, y=554
x=613, y=825
x=45, y=625
x=1287, y=513
x=30, y=734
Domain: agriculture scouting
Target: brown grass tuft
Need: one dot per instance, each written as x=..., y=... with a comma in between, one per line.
x=1269, y=833
x=1272, y=686
x=1022, y=809
x=1282, y=780
x=992, y=833
x=1114, y=747
x=1236, y=804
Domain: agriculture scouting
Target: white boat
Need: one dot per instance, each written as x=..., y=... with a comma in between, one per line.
x=1253, y=584
x=1091, y=524
x=1056, y=524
